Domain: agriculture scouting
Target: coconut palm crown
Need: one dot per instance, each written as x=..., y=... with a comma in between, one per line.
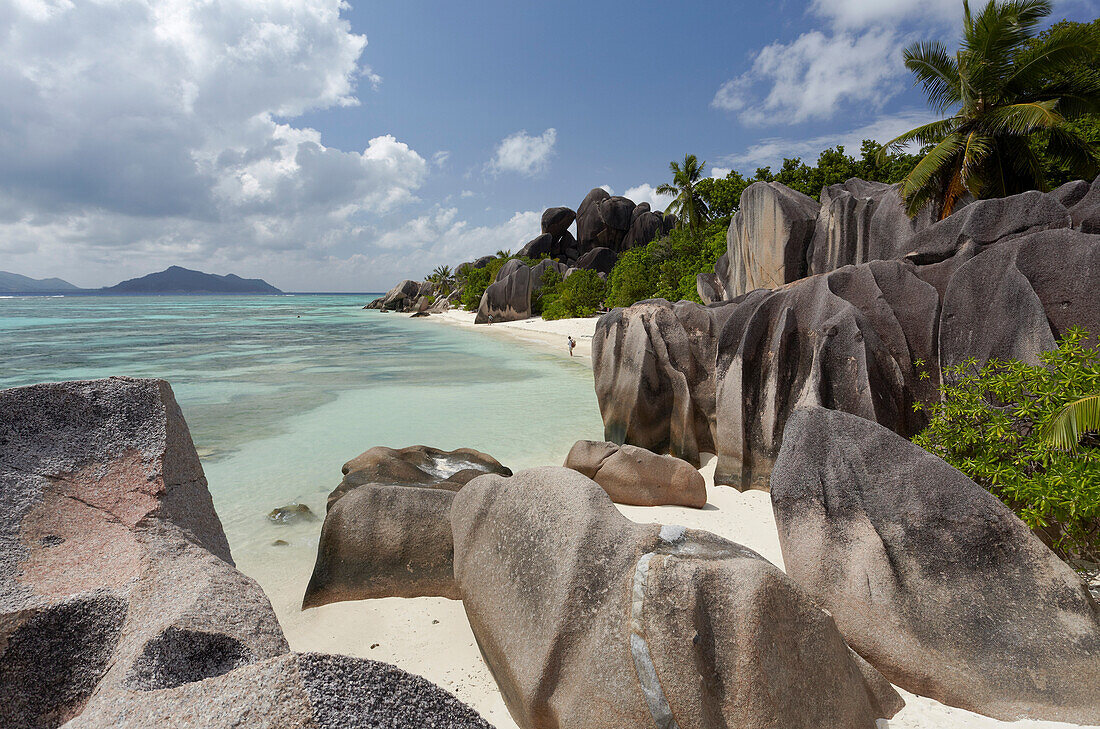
x=1007, y=90
x=688, y=203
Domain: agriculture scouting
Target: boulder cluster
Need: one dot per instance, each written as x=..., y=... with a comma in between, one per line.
x=850, y=305
x=607, y=225
x=120, y=605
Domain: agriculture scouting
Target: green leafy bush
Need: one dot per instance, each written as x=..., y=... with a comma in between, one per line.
x=548, y=292
x=667, y=267
x=988, y=425
x=476, y=281
x=581, y=294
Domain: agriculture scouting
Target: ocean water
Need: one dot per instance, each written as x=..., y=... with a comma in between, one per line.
x=280, y=391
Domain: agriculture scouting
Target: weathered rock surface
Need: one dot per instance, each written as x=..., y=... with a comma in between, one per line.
x=768, y=238
x=708, y=288
x=646, y=227
x=632, y=475
x=859, y=222
x=402, y=296
x=601, y=260
x=931, y=578
x=984, y=222
x=384, y=541
x=119, y=602
x=556, y=221
x=508, y=298
x=418, y=465
x=543, y=245
x=603, y=221
x=846, y=340
x=587, y=619
x=540, y=269
x=1085, y=209
x=653, y=365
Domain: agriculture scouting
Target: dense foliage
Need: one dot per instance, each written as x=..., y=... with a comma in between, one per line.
x=1005, y=90
x=989, y=426
x=687, y=203
x=582, y=294
x=666, y=268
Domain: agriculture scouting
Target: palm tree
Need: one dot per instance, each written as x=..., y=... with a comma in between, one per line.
x=504, y=254
x=688, y=204
x=443, y=279
x=1008, y=90
x=1066, y=428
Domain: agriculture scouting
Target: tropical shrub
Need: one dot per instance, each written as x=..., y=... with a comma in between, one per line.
x=990, y=425
x=666, y=268
x=582, y=294
x=551, y=284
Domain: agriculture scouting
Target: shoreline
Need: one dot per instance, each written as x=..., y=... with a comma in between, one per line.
x=548, y=335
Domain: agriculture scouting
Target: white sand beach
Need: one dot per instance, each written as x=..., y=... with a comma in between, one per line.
x=431, y=637
x=550, y=334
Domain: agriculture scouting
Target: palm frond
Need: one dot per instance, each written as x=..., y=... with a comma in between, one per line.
x=936, y=71
x=1066, y=428
x=935, y=167
x=1034, y=67
x=1023, y=119
x=931, y=133
x=1073, y=152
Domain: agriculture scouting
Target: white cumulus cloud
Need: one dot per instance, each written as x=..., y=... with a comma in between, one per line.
x=135, y=130
x=646, y=193
x=524, y=153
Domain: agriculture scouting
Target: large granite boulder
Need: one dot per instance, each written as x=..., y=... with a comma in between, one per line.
x=603, y=220
x=646, y=227
x=384, y=541
x=543, y=245
x=862, y=221
x=653, y=365
x=587, y=619
x=985, y=222
x=1016, y=299
x=768, y=238
x=402, y=296
x=508, y=298
x=931, y=578
x=1083, y=203
x=708, y=288
x=632, y=475
x=119, y=602
x=601, y=260
x=556, y=221
x=846, y=340
x=421, y=466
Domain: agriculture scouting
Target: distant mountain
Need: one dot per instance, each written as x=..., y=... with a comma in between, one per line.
x=177, y=280
x=13, y=283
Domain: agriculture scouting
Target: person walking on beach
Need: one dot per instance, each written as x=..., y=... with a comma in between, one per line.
x=572, y=343
x=490, y=320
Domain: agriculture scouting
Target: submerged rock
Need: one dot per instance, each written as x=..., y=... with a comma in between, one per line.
x=119, y=602
x=632, y=475
x=930, y=577
x=587, y=619
x=291, y=514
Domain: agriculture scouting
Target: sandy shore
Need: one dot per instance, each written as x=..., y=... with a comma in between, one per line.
x=549, y=334
x=431, y=637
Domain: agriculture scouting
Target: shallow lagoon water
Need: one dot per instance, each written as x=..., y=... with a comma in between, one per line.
x=280, y=391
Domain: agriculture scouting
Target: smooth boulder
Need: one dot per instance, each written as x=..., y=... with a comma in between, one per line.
x=119, y=602
x=587, y=619
x=419, y=465
x=632, y=475
x=556, y=221
x=930, y=577
x=768, y=238
x=601, y=260
x=508, y=298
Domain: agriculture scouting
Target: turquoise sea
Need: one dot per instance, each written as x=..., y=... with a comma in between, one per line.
x=280, y=391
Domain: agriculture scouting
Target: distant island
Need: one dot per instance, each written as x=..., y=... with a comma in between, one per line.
x=179, y=280
x=13, y=283
x=172, y=280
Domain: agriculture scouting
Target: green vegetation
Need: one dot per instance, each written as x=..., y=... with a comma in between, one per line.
x=992, y=425
x=582, y=294
x=443, y=279
x=1011, y=90
x=1073, y=423
x=666, y=268
x=688, y=204
x=548, y=291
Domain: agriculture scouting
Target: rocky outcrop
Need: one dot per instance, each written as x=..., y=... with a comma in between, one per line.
x=653, y=365
x=420, y=466
x=845, y=340
x=402, y=297
x=1015, y=300
x=556, y=221
x=986, y=222
x=632, y=475
x=601, y=260
x=542, y=245
x=603, y=221
x=119, y=602
x=768, y=238
x=384, y=541
x=708, y=288
x=1083, y=203
x=587, y=619
x=859, y=222
x=931, y=578
x=646, y=227
x=508, y=298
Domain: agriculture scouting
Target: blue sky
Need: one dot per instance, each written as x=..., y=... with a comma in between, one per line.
x=339, y=147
